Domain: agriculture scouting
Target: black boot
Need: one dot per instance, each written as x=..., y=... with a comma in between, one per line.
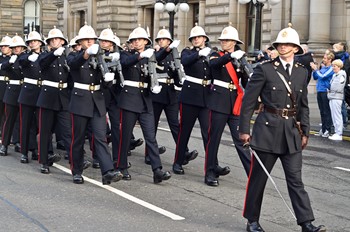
x=3, y=150
x=24, y=159
x=159, y=176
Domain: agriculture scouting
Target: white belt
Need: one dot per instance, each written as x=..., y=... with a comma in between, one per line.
x=4, y=78
x=224, y=84
x=32, y=81
x=203, y=82
x=86, y=86
x=135, y=84
x=177, y=88
x=162, y=75
x=54, y=84
x=15, y=82
x=166, y=80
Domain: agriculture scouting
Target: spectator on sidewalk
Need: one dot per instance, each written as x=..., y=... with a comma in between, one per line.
x=336, y=96
x=323, y=77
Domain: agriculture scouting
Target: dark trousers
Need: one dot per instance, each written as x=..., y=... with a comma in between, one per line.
x=2, y=111
x=11, y=113
x=47, y=122
x=114, y=118
x=188, y=117
x=325, y=111
x=217, y=125
x=291, y=164
x=98, y=129
x=28, y=128
x=146, y=120
x=172, y=116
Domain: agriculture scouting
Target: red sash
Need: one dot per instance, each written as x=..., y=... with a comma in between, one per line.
x=232, y=72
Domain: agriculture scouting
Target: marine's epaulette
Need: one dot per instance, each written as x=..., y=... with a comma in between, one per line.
x=265, y=62
x=299, y=64
x=188, y=48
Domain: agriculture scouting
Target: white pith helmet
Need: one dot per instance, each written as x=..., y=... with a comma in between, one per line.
x=34, y=35
x=17, y=41
x=139, y=33
x=86, y=32
x=73, y=42
x=230, y=33
x=163, y=34
x=107, y=34
x=5, y=41
x=117, y=41
x=288, y=35
x=56, y=33
x=197, y=31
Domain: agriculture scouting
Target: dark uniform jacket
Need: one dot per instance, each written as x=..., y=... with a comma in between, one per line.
x=271, y=132
x=167, y=95
x=82, y=101
x=132, y=98
x=14, y=72
x=3, y=73
x=53, y=68
x=30, y=92
x=198, y=67
x=222, y=99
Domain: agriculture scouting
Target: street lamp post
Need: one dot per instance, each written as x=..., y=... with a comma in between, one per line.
x=259, y=4
x=171, y=6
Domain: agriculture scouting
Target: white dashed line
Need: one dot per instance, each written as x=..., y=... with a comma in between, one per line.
x=126, y=195
x=344, y=169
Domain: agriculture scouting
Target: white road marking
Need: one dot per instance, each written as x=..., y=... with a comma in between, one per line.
x=344, y=169
x=126, y=196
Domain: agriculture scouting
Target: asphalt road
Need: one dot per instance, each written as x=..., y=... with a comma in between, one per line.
x=31, y=201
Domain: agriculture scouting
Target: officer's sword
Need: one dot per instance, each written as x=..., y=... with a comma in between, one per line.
x=270, y=177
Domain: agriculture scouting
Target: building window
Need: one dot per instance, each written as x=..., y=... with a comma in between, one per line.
x=31, y=16
x=251, y=27
x=82, y=18
x=195, y=13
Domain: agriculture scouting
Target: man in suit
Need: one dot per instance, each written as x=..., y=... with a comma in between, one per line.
x=224, y=103
x=194, y=95
x=87, y=105
x=135, y=103
x=5, y=56
x=14, y=73
x=281, y=129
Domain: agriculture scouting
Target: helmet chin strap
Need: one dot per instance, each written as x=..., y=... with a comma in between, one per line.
x=286, y=52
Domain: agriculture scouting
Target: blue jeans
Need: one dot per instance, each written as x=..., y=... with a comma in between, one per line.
x=325, y=111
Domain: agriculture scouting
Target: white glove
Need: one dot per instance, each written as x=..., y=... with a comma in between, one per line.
x=59, y=51
x=115, y=56
x=174, y=44
x=13, y=59
x=93, y=49
x=147, y=53
x=156, y=89
x=204, y=52
x=108, y=77
x=33, y=57
x=237, y=54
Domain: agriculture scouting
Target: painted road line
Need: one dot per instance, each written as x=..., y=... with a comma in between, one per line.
x=125, y=195
x=344, y=169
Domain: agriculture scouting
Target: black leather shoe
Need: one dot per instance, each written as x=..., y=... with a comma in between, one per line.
x=17, y=147
x=24, y=159
x=3, y=150
x=66, y=156
x=308, y=227
x=54, y=158
x=147, y=160
x=161, y=150
x=177, y=169
x=95, y=163
x=129, y=153
x=45, y=169
x=111, y=176
x=60, y=146
x=159, y=176
x=254, y=227
x=135, y=143
x=86, y=164
x=35, y=155
x=190, y=156
x=210, y=179
x=219, y=171
x=78, y=179
x=125, y=173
